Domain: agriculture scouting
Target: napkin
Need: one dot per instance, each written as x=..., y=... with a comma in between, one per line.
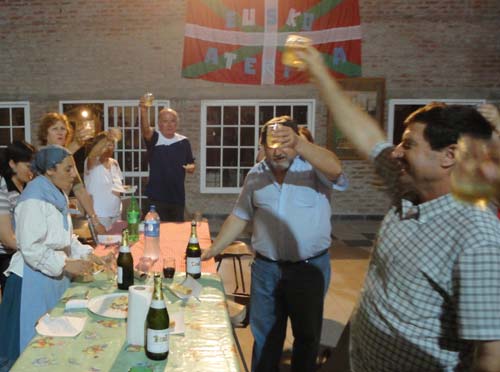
x=76, y=304
x=61, y=326
x=178, y=320
x=139, y=299
x=190, y=283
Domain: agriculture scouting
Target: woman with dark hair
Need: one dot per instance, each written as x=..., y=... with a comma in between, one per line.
x=15, y=172
x=48, y=255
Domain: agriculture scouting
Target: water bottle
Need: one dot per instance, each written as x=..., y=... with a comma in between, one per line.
x=133, y=220
x=152, y=234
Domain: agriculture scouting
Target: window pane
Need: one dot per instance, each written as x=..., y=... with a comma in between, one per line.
x=213, y=136
x=266, y=113
x=230, y=157
x=230, y=115
x=213, y=115
x=247, y=115
x=300, y=114
x=247, y=157
x=229, y=178
x=213, y=178
x=18, y=134
x=230, y=136
x=144, y=161
x=128, y=162
x=247, y=136
x=136, y=155
x=5, y=137
x=283, y=110
x=4, y=117
x=18, y=116
x=243, y=174
x=213, y=157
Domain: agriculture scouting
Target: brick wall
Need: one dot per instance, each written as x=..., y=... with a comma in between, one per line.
x=52, y=50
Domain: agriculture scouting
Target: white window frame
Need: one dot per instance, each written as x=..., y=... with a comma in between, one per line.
x=27, y=117
x=422, y=101
x=311, y=103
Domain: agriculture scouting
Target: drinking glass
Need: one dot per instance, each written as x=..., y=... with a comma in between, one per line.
x=271, y=141
x=294, y=42
x=468, y=182
x=168, y=267
x=148, y=99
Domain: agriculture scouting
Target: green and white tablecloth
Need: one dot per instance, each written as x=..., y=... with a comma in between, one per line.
x=207, y=344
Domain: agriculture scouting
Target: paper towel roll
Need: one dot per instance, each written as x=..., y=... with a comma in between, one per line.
x=139, y=299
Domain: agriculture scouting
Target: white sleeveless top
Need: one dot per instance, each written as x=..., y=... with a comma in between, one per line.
x=100, y=183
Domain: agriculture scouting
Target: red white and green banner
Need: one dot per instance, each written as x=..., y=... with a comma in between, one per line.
x=241, y=41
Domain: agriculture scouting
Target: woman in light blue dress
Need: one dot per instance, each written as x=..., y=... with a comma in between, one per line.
x=48, y=252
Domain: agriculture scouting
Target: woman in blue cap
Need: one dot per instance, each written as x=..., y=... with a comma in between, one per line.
x=48, y=252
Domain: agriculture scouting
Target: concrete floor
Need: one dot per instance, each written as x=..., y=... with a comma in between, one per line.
x=350, y=253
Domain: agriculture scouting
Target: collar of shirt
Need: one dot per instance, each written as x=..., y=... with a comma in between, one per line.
x=426, y=211
x=162, y=140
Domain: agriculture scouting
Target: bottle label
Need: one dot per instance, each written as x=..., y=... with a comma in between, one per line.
x=157, y=340
x=193, y=240
x=158, y=304
x=124, y=249
x=193, y=265
x=119, y=275
x=133, y=217
x=152, y=229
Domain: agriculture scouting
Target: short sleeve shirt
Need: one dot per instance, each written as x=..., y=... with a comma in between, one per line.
x=166, y=171
x=291, y=221
x=433, y=286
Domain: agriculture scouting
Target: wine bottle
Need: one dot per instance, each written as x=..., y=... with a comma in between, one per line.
x=157, y=324
x=193, y=254
x=125, y=264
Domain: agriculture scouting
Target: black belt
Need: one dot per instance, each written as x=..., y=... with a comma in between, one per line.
x=283, y=262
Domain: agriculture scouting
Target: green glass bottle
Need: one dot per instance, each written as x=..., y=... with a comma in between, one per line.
x=133, y=216
x=157, y=324
x=193, y=254
x=125, y=264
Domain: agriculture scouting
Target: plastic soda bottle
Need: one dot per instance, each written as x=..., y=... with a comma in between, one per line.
x=152, y=234
x=133, y=220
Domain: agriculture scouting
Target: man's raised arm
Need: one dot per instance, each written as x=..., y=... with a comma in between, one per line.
x=357, y=125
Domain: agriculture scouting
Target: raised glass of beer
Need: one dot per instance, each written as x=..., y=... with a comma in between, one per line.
x=468, y=182
x=148, y=99
x=294, y=42
x=271, y=141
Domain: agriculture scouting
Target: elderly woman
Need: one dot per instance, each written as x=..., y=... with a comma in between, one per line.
x=15, y=172
x=103, y=177
x=48, y=252
x=56, y=130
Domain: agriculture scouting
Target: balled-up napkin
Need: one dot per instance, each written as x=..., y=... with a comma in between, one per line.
x=60, y=326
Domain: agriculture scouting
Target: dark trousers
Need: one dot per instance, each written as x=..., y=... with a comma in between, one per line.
x=282, y=291
x=167, y=212
x=4, y=264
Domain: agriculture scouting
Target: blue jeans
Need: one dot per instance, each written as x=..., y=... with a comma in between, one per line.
x=282, y=290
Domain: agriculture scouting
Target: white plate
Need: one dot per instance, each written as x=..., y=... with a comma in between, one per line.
x=110, y=305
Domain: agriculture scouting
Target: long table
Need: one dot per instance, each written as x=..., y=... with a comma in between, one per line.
x=206, y=345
